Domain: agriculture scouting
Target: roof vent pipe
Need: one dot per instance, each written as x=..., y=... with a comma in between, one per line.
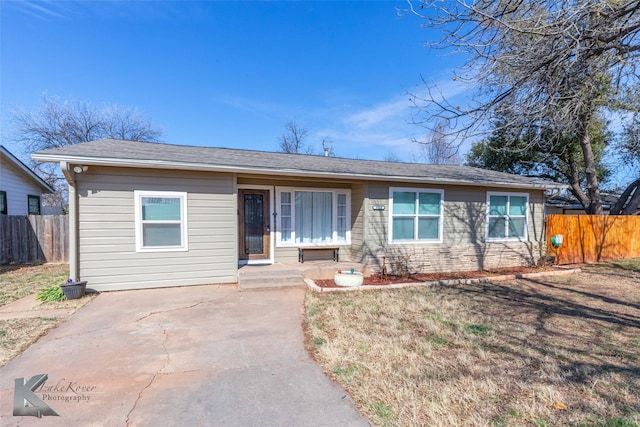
x=326, y=151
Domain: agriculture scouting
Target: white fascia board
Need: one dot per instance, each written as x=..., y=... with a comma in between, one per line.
x=18, y=163
x=164, y=164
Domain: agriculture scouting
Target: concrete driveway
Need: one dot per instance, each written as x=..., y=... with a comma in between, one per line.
x=197, y=356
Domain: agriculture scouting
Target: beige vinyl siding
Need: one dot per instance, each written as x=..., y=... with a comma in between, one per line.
x=374, y=249
x=108, y=257
x=536, y=216
x=463, y=244
x=286, y=255
x=358, y=204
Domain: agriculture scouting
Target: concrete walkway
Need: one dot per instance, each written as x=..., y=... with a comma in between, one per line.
x=26, y=307
x=201, y=356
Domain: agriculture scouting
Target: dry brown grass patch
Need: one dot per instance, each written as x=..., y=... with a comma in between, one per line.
x=18, y=334
x=19, y=281
x=561, y=350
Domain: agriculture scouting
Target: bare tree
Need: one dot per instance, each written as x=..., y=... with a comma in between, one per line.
x=392, y=156
x=61, y=123
x=327, y=147
x=548, y=68
x=438, y=149
x=292, y=141
x=503, y=152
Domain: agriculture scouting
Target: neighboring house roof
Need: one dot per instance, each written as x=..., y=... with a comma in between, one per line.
x=569, y=202
x=112, y=152
x=6, y=154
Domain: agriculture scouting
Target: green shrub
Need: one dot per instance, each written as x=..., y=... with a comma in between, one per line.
x=51, y=294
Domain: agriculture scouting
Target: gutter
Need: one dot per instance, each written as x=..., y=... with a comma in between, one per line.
x=164, y=164
x=74, y=241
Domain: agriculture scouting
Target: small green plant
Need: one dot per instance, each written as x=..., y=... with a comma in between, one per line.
x=612, y=422
x=364, y=347
x=382, y=411
x=514, y=413
x=317, y=341
x=345, y=372
x=51, y=294
x=499, y=422
x=620, y=422
x=312, y=311
x=436, y=340
x=478, y=329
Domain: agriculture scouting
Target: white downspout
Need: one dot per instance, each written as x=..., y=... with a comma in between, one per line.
x=74, y=270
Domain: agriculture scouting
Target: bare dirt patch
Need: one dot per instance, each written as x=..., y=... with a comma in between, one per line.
x=547, y=351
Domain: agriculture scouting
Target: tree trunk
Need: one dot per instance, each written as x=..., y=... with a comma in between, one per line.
x=574, y=181
x=593, y=188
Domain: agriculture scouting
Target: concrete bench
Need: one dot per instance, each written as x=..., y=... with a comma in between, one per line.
x=335, y=249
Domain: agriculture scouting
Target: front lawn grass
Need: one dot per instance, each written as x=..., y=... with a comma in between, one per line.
x=549, y=351
x=19, y=281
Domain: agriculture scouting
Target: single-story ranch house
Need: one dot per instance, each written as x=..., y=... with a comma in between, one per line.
x=151, y=215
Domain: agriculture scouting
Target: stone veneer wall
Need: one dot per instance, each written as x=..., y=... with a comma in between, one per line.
x=469, y=257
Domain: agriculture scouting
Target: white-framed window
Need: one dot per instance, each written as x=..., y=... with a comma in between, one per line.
x=507, y=216
x=415, y=215
x=313, y=216
x=3, y=202
x=161, y=221
x=33, y=204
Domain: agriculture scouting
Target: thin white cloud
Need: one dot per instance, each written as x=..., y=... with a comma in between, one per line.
x=371, y=132
x=379, y=115
x=367, y=132
x=254, y=106
x=109, y=9
x=388, y=126
x=41, y=10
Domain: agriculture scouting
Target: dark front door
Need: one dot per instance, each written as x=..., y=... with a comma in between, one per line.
x=254, y=224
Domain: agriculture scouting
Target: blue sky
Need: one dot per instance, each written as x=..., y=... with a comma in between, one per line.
x=229, y=74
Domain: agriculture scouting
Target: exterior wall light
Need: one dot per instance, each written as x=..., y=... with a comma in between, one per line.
x=80, y=168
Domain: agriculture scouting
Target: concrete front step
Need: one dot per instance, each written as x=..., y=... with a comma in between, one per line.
x=290, y=275
x=253, y=286
x=271, y=279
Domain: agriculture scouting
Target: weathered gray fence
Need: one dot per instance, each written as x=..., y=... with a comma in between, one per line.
x=33, y=239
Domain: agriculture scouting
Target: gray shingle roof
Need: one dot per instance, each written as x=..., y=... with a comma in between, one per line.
x=166, y=156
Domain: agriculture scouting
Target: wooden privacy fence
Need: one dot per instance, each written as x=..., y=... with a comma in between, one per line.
x=593, y=238
x=33, y=239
